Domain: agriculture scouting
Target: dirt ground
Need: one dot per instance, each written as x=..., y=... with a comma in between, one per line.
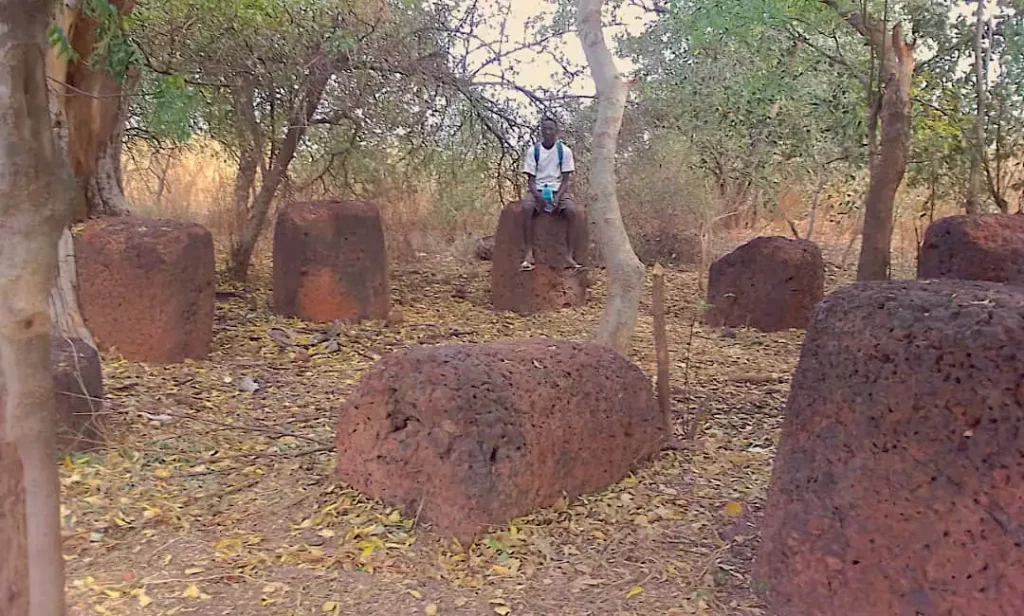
x=212, y=499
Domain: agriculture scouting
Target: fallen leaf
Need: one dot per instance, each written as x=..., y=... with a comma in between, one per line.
x=192, y=592
x=733, y=508
x=330, y=606
x=430, y=610
x=636, y=590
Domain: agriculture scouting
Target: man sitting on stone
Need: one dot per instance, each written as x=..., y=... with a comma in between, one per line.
x=549, y=166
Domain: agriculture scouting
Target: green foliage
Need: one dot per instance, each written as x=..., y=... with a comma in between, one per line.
x=756, y=103
x=58, y=39
x=114, y=51
x=167, y=107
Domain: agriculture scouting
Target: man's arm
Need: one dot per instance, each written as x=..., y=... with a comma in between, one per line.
x=531, y=185
x=564, y=188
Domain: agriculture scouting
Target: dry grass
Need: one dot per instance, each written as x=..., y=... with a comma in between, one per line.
x=196, y=183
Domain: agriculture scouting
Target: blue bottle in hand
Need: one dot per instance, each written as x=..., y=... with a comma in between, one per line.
x=549, y=199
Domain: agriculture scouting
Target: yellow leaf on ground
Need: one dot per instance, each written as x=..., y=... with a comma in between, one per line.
x=162, y=473
x=430, y=610
x=415, y=593
x=733, y=508
x=192, y=592
x=636, y=590
x=503, y=610
x=330, y=606
x=144, y=599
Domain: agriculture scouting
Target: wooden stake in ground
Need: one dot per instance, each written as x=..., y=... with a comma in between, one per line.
x=661, y=343
x=37, y=192
x=625, y=271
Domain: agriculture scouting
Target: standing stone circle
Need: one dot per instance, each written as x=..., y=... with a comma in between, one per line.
x=330, y=262
x=988, y=247
x=467, y=436
x=146, y=287
x=549, y=286
x=898, y=486
x=769, y=283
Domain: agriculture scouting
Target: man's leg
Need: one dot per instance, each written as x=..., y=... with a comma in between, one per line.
x=574, y=218
x=528, y=209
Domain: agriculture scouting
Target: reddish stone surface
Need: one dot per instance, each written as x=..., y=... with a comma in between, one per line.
x=146, y=287
x=330, y=262
x=549, y=286
x=989, y=247
x=78, y=387
x=898, y=486
x=769, y=283
x=78, y=393
x=472, y=435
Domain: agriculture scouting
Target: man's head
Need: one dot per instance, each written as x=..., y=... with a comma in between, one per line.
x=548, y=131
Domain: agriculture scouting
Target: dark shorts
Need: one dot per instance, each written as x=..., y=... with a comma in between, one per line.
x=530, y=203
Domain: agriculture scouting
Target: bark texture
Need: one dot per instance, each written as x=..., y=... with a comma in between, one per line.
x=36, y=196
x=625, y=271
x=95, y=108
x=661, y=344
x=890, y=165
x=889, y=156
x=973, y=205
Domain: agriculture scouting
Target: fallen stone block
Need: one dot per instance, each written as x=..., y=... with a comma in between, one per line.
x=467, y=436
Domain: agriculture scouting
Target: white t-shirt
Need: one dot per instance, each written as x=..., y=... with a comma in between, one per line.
x=546, y=169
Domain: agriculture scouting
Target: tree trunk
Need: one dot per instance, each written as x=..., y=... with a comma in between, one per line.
x=973, y=205
x=36, y=197
x=661, y=344
x=64, y=312
x=890, y=165
x=95, y=108
x=625, y=272
x=253, y=218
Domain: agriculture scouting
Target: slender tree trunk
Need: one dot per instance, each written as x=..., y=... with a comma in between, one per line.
x=625, y=272
x=890, y=166
x=253, y=218
x=973, y=205
x=661, y=344
x=37, y=193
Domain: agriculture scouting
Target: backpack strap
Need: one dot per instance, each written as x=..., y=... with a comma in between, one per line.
x=561, y=154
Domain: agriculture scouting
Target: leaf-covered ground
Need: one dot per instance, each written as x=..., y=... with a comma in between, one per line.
x=215, y=498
